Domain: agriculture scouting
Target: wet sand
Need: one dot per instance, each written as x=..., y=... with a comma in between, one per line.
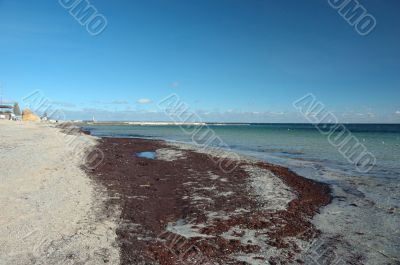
x=182, y=208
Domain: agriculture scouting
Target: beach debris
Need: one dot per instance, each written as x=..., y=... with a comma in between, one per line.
x=186, y=229
x=228, y=217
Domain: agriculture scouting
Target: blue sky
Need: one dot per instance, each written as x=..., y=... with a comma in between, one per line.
x=229, y=60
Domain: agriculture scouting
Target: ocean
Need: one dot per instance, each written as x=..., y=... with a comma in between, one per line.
x=365, y=207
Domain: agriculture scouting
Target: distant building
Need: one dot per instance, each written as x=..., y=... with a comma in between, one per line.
x=6, y=112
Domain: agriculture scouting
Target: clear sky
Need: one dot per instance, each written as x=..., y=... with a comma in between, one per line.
x=229, y=60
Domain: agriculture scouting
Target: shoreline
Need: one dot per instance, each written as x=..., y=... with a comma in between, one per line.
x=176, y=207
x=225, y=218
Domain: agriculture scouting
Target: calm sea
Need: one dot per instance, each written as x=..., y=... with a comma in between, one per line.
x=371, y=198
x=301, y=142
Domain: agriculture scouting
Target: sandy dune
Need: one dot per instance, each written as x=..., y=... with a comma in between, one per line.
x=50, y=209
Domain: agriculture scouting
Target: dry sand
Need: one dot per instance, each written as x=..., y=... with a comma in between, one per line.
x=51, y=212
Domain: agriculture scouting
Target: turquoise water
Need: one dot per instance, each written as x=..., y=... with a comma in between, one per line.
x=280, y=141
x=365, y=210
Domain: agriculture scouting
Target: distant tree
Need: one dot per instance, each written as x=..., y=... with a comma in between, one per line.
x=17, y=110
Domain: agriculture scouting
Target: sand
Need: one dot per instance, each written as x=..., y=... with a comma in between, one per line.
x=51, y=212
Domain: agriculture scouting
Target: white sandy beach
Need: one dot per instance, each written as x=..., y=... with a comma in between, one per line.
x=51, y=212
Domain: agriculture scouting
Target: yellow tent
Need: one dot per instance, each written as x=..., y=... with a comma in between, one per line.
x=28, y=115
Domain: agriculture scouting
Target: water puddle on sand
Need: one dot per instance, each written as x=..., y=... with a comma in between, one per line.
x=148, y=155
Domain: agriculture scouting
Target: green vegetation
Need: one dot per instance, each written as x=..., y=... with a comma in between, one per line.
x=17, y=110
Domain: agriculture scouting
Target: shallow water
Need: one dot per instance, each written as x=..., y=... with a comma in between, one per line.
x=365, y=209
x=297, y=141
x=148, y=155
